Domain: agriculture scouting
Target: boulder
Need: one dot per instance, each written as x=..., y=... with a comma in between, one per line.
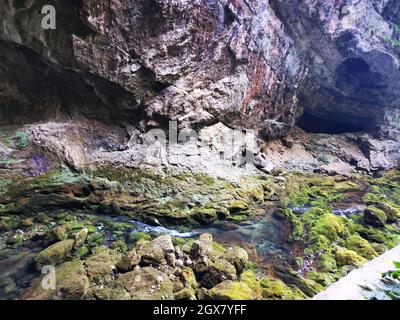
x=54, y=254
x=165, y=243
x=102, y=263
x=56, y=234
x=129, y=261
x=218, y=272
x=202, y=247
x=80, y=238
x=151, y=253
x=147, y=284
x=238, y=257
x=375, y=217
x=228, y=290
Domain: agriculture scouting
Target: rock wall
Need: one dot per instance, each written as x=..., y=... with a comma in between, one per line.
x=352, y=58
x=248, y=64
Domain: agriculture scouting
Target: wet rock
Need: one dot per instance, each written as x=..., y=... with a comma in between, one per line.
x=205, y=215
x=165, y=243
x=348, y=257
x=375, y=217
x=217, y=272
x=129, y=261
x=54, y=254
x=237, y=256
x=115, y=292
x=201, y=247
x=151, y=254
x=309, y=287
x=71, y=284
x=80, y=238
x=102, y=263
x=147, y=284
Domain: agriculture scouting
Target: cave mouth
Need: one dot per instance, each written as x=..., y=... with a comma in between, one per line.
x=313, y=124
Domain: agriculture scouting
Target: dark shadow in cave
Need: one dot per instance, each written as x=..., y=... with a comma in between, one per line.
x=313, y=124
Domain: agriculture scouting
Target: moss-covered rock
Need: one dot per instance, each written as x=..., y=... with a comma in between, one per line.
x=361, y=246
x=327, y=263
x=228, y=290
x=375, y=217
x=236, y=256
x=147, y=284
x=218, y=271
x=129, y=261
x=321, y=222
x=81, y=252
x=80, y=237
x=56, y=234
x=273, y=289
x=348, y=257
x=249, y=278
x=101, y=263
x=71, y=284
x=54, y=254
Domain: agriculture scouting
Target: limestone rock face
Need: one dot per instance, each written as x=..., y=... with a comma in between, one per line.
x=352, y=60
x=247, y=64
x=198, y=62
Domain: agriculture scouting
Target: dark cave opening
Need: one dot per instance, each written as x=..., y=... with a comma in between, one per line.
x=313, y=124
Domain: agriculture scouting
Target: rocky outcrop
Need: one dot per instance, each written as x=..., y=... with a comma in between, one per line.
x=352, y=58
x=193, y=61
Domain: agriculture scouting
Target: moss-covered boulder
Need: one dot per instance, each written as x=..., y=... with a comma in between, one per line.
x=54, y=254
x=217, y=272
x=80, y=237
x=228, y=290
x=205, y=215
x=348, y=257
x=326, y=262
x=129, y=261
x=322, y=222
x=56, y=234
x=375, y=217
x=361, y=246
x=102, y=263
x=71, y=283
x=273, y=289
x=237, y=256
x=147, y=284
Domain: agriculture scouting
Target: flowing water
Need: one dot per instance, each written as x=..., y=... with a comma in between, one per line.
x=262, y=235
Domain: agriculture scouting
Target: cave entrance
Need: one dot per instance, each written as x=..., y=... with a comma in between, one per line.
x=313, y=124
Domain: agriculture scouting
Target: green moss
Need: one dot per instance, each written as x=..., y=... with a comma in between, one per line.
x=321, y=222
x=326, y=262
x=249, y=278
x=218, y=248
x=21, y=140
x=138, y=237
x=375, y=216
x=324, y=279
x=229, y=290
x=361, y=246
x=81, y=252
x=95, y=240
x=120, y=246
x=348, y=257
